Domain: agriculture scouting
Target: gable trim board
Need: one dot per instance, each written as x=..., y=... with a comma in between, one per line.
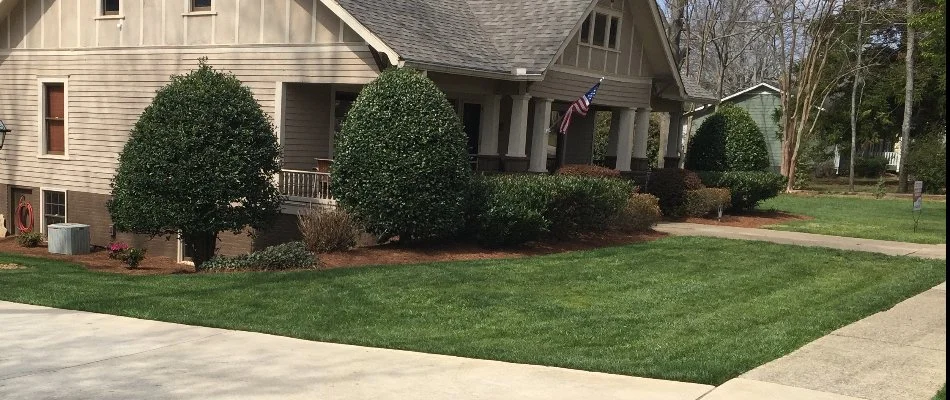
x=364, y=32
x=740, y=93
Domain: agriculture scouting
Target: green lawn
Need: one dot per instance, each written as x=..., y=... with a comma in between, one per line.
x=885, y=219
x=683, y=308
x=942, y=394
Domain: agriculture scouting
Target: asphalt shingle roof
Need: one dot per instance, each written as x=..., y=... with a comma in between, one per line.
x=486, y=35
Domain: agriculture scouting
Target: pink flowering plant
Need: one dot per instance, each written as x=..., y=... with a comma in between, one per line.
x=117, y=250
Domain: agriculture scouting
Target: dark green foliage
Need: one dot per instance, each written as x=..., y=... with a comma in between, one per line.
x=928, y=163
x=747, y=188
x=728, y=140
x=29, y=239
x=200, y=160
x=293, y=255
x=513, y=209
x=870, y=167
x=401, y=164
x=701, y=202
x=670, y=186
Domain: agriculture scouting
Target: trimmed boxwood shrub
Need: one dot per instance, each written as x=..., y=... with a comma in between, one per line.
x=728, y=140
x=747, y=188
x=588, y=170
x=401, y=165
x=928, y=163
x=670, y=186
x=293, y=255
x=701, y=202
x=513, y=209
x=641, y=213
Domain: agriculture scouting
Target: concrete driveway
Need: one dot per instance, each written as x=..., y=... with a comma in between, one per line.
x=49, y=353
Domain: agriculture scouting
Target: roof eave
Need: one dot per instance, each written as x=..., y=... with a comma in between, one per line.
x=363, y=31
x=473, y=72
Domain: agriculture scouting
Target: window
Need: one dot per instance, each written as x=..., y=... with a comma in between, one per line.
x=601, y=30
x=54, y=118
x=54, y=207
x=110, y=7
x=200, y=5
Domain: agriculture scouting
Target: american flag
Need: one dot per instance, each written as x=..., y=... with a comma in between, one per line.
x=581, y=106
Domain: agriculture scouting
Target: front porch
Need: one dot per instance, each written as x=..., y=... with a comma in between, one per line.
x=508, y=124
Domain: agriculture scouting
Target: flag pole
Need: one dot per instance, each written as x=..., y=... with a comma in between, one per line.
x=558, y=122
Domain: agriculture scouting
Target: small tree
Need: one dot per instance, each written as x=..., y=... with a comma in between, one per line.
x=401, y=164
x=728, y=140
x=200, y=160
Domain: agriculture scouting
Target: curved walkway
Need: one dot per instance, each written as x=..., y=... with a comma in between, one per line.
x=935, y=251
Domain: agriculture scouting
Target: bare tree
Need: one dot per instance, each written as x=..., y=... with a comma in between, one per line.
x=804, y=34
x=858, y=82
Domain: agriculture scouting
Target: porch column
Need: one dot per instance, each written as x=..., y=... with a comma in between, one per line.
x=624, y=148
x=488, y=159
x=641, y=136
x=539, y=136
x=516, y=159
x=610, y=158
x=674, y=141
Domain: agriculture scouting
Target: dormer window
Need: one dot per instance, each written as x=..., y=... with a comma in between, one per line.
x=601, y=30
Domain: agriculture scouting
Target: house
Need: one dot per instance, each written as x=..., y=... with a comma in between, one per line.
x=76, y=74
x=762, y=101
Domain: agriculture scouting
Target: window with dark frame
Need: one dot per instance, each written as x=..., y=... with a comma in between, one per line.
x=110, y=7
x=585, y=30
x=54, y=207
x=55, y=118
x=200, y=5
x=612, y=42
x=600, y=30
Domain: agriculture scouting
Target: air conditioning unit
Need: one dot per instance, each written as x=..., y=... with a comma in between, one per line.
x=70, y=239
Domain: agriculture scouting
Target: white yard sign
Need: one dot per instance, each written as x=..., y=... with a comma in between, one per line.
x=918, y=195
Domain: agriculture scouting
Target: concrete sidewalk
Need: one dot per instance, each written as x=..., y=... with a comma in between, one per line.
x=51, y=353
x=935, y=251
x=896, y=354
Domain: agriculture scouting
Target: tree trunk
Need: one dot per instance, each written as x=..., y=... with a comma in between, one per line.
x=908, y=101
x=859, y=48
x=200, y=245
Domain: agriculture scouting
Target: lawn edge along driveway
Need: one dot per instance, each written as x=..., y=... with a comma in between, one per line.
x=689, y=309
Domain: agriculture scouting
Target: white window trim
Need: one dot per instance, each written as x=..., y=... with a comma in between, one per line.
x=43, y=191
x=41, y=119
x=610, y=14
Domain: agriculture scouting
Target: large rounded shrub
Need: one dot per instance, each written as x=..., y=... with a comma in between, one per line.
x=728, y=140
x=200, y=160
x=928, y=163
x=401, y=165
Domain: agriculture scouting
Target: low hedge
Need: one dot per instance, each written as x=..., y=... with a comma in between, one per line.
x=870, y=167
x=747, y=188
x=293, y=255
x=670, y=185
x=588, y=170
x=513, y=209
x=641, y=213
x=701, y=202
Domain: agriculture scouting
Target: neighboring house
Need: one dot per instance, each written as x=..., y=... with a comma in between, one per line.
x=762, y=101
x=76, y=74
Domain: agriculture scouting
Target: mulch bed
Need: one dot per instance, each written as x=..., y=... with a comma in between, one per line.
x=753, y=219
x=388, y=254
x=99, y=260
x=462, y=251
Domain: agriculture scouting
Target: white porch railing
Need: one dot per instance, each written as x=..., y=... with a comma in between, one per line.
x=305, y=186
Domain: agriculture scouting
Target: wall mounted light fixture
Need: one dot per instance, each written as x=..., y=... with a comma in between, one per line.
x=3, y=133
